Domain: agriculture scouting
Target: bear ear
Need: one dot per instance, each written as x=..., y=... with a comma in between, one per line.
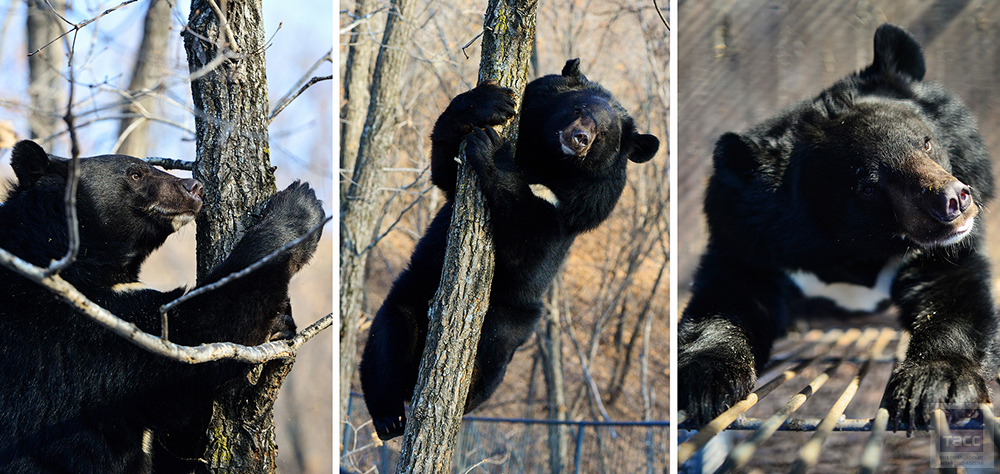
x=643, y=148
x=30, y=162
x=735, y=155
x=572, y=68
x=896, y=52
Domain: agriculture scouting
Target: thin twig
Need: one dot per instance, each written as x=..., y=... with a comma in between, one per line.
x=466, y=45
x=302, y=85
x=77, y=26
x=72, y=179
x=355, y=23
x=170, y=163
x=225, y=26
x=284, y=104
x=656, y=7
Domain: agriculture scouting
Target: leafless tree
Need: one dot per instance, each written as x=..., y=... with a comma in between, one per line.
x=362, y=199
x=46, y=84
x=147, y=79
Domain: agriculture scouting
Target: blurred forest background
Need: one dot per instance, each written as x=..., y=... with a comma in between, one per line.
x=741, y=62
x=608, y=312
x=132, y=96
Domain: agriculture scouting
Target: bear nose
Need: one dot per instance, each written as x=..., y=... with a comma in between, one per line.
x=193, y=187
x=581, y=138
x=953, y=200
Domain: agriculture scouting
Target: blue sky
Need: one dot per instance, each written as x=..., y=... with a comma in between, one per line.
x=301, y=137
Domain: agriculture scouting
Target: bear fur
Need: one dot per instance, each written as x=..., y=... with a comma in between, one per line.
x=75, y=396
x=877, y=182
x=574, y=140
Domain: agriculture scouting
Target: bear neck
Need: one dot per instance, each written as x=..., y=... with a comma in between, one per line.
x=34, y=229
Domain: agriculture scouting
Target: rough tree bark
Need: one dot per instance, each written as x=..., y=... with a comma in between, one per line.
x=146, y=76
x=226, y=55
x=355, y=84
x=456, y=314
x=362, y=199
x=45, y=81
x=555, y=386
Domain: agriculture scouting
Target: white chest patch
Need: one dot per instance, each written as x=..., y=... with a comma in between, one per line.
x=543, y=192
x=848, y=295
x=128, y=287
x=181, y=220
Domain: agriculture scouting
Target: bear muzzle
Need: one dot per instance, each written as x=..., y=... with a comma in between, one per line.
x=933, y=207
x=577, y=137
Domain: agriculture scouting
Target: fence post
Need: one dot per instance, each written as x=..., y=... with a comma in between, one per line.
x=579, y=449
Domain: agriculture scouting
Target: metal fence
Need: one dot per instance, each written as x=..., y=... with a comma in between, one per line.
x=759, y=434
x=512, y=445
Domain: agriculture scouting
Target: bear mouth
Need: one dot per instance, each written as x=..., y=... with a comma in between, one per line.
x=953, y=237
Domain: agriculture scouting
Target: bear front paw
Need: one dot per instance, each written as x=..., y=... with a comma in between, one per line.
x=487, y=105
x=710, y=382
x=290, y=214
x=388, y=427
x=481, y=147
x=916, y=389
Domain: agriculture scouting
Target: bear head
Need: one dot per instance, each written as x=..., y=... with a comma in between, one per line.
x=120, y=198
x=567, y=119
x=880, y=160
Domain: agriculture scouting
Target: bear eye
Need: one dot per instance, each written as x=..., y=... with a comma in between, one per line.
x=135, y=175
x=867, y=190
x=928, y=146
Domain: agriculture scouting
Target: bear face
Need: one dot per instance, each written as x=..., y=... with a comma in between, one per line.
x=870, y=190
x=121, y=199
x=896, y=194
x=567, y=116
x=562, y=177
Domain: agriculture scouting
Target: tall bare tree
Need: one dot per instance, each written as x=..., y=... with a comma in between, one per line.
x=45, y=82
x=225, y=50
x=456, y=314
x=361, y=199
x=146, y=79
x=359, y=57
x=550, y=344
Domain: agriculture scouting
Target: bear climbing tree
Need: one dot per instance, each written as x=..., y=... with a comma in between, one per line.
x=505, y=57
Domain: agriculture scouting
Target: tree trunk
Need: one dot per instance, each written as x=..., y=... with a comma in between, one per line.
x=45, y=81
x=146, y=76
x=355, y=84
x=362, y=200
x=555, y=387
x=232, y=162
x=456, y=314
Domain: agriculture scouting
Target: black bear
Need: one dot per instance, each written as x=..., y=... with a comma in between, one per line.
x=565, y=177
x=78, y=398
x=875, y=184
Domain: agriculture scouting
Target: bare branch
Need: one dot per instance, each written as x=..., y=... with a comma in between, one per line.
x=191, y=355
x=302, y=85
x=72, y=178
x=170, y=163
x=225, y=26
x=656, y=7
x=355, y=23
x=281, y=106
x=77, y=26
